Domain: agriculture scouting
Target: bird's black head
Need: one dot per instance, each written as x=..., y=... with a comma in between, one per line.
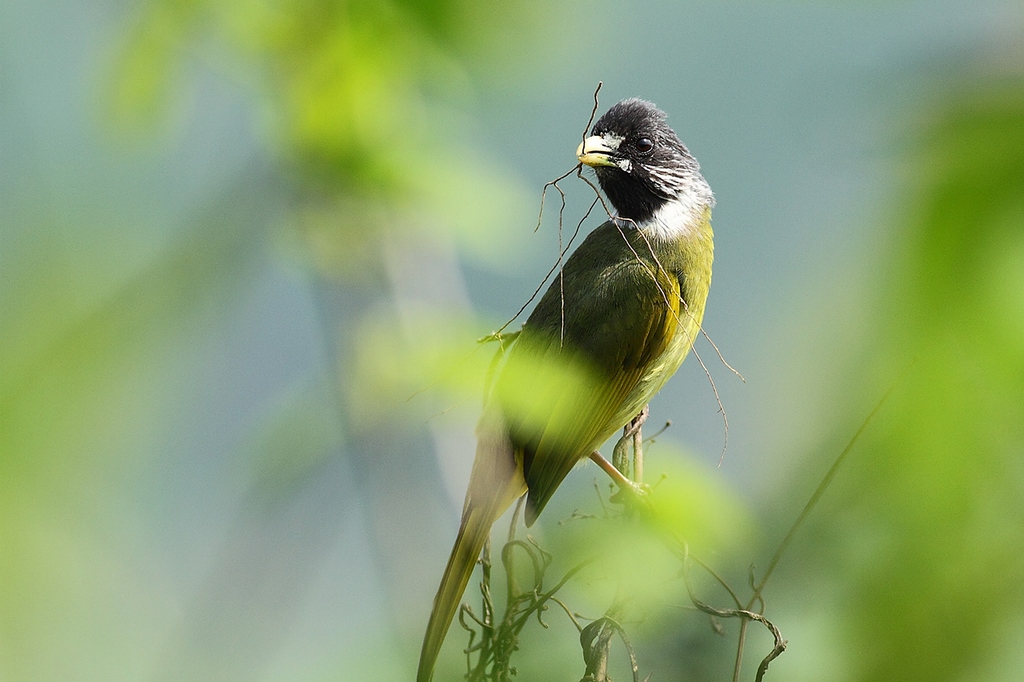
x=640, y=161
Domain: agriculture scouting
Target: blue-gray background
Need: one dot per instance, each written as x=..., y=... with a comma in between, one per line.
x=194, y=308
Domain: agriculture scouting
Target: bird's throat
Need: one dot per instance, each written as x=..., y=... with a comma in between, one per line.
x=678, y=218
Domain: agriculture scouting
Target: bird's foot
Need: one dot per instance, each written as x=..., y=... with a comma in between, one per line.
x=632, y=494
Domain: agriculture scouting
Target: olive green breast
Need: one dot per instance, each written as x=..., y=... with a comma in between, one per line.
x=611, y=329
x=688, y=261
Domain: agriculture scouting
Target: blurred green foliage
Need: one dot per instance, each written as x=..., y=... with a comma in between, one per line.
x=358, y=98
x=358, y=108
x=82, y=381
x=921, y=539
x=910, y=570
x=916, y=549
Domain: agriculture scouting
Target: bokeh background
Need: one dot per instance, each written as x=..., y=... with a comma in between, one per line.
x=246, y=247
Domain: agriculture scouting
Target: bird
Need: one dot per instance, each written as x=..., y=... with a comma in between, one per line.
x=604, y=338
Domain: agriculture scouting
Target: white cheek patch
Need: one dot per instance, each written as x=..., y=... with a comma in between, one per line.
x=612, y=140
x=677, y=218
x=625, y=164
x=680, y=217
x=667, y=180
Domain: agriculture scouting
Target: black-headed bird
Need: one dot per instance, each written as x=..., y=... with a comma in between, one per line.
x=604, y=338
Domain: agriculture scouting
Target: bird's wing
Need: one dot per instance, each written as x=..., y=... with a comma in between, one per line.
x=574, y=375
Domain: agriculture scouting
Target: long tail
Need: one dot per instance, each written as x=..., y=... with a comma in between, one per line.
x=475, y=528
x=495, y=483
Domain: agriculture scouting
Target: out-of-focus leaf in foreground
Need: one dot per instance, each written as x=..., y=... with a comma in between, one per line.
x=925, y=540
x=75, y=407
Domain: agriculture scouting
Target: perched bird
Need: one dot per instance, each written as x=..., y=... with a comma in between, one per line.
x=604, y=338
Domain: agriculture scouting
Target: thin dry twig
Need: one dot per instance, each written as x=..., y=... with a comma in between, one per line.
x=593, y=112
x=826, y=481
x=550, y=272
x=569, y=613
x=615, y=220
x=700, y=327
x=721, y=407
x=562, y=250
x=745, y=614
x=596, y=642
x=650, y=440
x=721, y=358
x=492, y=367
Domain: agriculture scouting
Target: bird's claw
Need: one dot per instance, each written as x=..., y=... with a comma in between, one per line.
x=634, y=493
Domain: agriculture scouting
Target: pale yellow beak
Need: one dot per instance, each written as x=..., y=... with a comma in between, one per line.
x=594, y=152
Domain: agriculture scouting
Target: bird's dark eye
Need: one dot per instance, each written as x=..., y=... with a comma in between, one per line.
x=644, y=145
